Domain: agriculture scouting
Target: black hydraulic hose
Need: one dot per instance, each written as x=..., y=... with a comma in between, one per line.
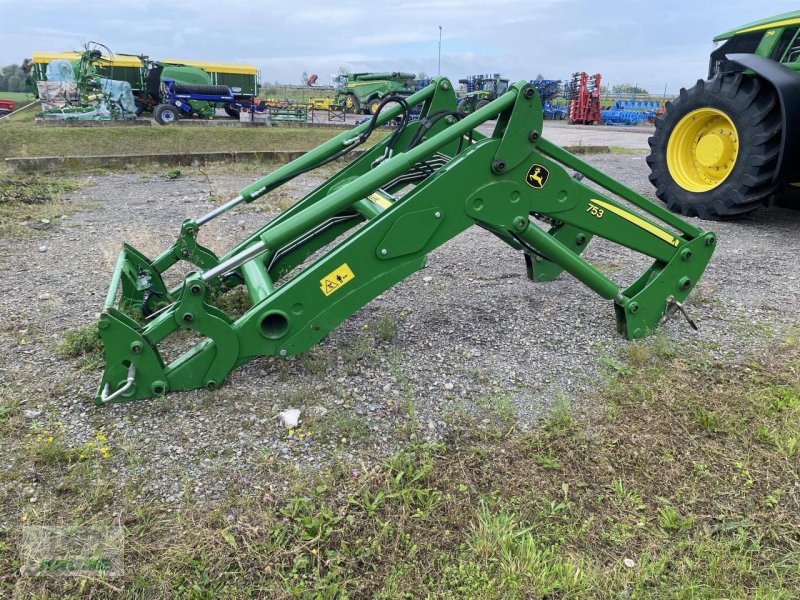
x=361, y=139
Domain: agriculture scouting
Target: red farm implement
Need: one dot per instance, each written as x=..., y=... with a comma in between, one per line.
x=584, y=99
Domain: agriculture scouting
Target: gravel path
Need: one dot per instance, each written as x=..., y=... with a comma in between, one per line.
x=475, y=339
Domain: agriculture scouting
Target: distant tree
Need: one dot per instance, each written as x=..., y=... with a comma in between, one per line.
x=627, y=88
x=12, y=78
x=343, y=71
x=304, y=77
x=539, y=77
x=422, y=75
x=15, y=83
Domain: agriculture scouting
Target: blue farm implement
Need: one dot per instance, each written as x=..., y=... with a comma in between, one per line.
x=548, y=90
x=181, y=100
x=631, y=112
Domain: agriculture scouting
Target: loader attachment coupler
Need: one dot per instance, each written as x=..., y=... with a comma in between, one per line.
x=424, y=184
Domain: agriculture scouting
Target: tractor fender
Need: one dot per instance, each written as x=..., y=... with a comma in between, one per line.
x=787, y=84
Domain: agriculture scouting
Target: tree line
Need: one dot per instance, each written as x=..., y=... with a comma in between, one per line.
x=12, y=77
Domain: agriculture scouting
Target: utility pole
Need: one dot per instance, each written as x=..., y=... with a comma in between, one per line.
x=439, y=67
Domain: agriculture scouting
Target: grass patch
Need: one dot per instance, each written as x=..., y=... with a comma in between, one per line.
x=84, y=344
x=626, y=150
x=26, y=201
x=28, y=139
x=636, y=497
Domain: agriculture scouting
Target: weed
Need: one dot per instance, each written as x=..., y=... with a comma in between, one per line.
x=387, y=328
x=671, y=521
x=234, y=303
x=560, y=417
x=314, y=361
x=83, y=343
x=172, y=174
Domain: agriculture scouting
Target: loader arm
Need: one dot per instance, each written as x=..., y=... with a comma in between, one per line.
x=415, y=190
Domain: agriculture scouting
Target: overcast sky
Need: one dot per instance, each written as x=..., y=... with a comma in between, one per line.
x=650, y=43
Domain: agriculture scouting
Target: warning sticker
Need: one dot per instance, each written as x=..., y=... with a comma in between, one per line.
x=380, y=200
x=336, y=279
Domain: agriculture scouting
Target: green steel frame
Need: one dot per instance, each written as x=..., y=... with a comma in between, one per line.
x=406, y=204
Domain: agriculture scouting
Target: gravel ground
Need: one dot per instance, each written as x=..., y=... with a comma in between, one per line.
x=474, y=336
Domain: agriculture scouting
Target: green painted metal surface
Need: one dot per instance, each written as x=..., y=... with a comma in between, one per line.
x=512, y=183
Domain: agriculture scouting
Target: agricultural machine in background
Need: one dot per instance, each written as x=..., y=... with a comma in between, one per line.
x=549, y=90
x=364, y=92
x=147, y=77
x=6, y=107
x=77, y=91
x=632, y=112
x=583, y=97
x=371, y=225
x=731, y=143
x=480, y=90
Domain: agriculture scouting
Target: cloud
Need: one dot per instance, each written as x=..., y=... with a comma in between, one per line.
x=627, y=41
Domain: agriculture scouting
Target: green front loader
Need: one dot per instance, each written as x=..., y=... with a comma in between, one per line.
x=372, y=224
x=731, y=143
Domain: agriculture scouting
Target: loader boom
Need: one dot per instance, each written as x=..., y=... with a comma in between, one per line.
x=415, y=190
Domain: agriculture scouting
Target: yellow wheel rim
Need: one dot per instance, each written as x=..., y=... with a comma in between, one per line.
x=348, y=102
x=702, y=150
x=373, y=108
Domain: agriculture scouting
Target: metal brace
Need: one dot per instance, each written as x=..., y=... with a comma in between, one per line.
x=673, y=307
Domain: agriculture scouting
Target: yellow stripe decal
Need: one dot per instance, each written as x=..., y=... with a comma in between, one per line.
x=379, y=200
x=774, y=25
x=639, y=222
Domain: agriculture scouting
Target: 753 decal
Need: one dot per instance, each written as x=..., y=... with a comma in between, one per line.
x=596, y=211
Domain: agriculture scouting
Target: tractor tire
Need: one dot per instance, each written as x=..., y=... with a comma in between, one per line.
x=207, y=90
x=481, y=104
x=231, y=112
x=464, y=107
x=351, y=104
x=166, y=114
x=373, y=105
x=139, y=106
x=715, y=150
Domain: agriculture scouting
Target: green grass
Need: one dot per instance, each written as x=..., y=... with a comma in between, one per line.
x=633, y=498
x=20, y=98
x=28, y=139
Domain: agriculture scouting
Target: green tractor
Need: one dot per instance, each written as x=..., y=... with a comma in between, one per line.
x=731, y=143
x=363, y=92
x=481, y=89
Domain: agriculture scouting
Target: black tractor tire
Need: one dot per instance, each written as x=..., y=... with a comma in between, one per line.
x=373, y=105
x=464, y=106
x=481, y=104
x=231, y=112
x=166, y=114
x=752, y=105
x=137, y=102
x=351, y=104
x=208, y=90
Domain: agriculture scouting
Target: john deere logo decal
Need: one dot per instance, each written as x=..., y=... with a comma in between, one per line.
x=537, y=176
